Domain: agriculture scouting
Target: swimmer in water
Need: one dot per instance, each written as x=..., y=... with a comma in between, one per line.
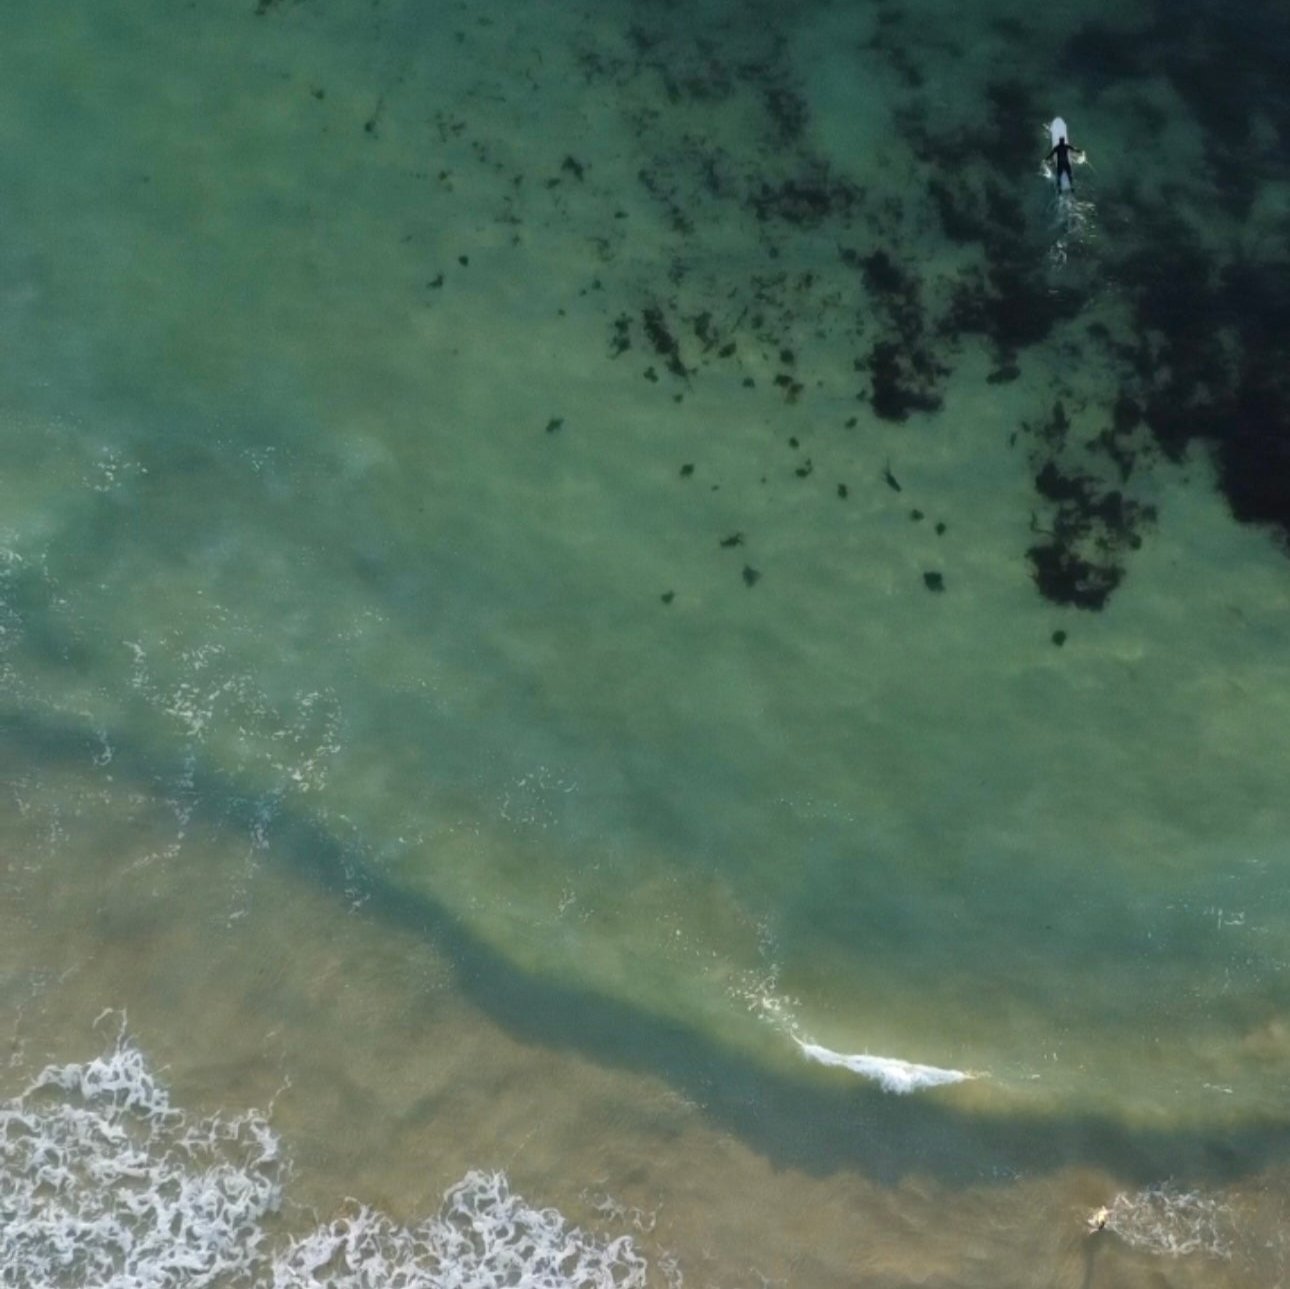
x=1062, y=151
x=1097, y=1221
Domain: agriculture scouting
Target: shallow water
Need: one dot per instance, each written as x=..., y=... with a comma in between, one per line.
x=558, y=564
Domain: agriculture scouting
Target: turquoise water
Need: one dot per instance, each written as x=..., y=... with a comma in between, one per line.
x=558, y=564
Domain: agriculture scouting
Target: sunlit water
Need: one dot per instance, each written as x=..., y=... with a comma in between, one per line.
x=493, y=791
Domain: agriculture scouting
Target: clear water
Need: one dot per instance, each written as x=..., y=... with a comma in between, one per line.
x=477, y=753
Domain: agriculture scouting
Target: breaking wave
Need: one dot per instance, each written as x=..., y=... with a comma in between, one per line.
x=104, y=1182
x=762, y=997
x=892, y=1074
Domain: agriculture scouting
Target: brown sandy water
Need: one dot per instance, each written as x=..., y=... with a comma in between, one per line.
x=247, y=986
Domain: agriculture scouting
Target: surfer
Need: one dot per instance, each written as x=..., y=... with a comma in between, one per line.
x=1062, y=151
x=1097, y=1221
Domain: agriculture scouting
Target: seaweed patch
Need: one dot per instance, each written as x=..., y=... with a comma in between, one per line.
x=903, y=372
x=806, y=199
x=1192, y=342
x=1208, y=366
x=1087, y=528
x=664, y=342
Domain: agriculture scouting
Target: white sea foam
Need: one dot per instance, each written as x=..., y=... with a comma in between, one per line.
x=1164, y=1220
x=104, y=1182
x=483, y=1238
x=892, y=1074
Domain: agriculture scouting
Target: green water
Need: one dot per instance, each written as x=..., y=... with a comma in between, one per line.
x=333, y=528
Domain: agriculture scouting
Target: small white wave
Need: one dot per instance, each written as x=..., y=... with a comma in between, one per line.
x=890, y=1073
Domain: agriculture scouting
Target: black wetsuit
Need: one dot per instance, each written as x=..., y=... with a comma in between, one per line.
x=1062, y=151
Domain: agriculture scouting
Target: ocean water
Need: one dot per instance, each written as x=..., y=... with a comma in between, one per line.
x=629, y=656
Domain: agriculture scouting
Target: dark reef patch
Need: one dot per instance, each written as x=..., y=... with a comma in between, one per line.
x=1205, y=359
x=805, y=199
x=786, y=107
x=1065, y=577
x=1009, y=300
x=902, y=380
x=1254, y=455
x=1191, y=340
x=1088, y=527
x=620, y=339
x=1208, y=365
x=1008, y=148
x=892, y=40
x=664, y=342
x=904, y=373
x=1226, y=64
x=1009, y=304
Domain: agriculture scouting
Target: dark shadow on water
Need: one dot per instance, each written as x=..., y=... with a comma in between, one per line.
x=820, y=1123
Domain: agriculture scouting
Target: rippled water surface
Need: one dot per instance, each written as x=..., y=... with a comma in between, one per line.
x=620, y=634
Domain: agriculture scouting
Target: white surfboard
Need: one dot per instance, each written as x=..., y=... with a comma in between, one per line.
x=1057, y=131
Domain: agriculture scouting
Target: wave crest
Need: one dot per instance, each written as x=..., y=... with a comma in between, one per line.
x=889, y=1072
